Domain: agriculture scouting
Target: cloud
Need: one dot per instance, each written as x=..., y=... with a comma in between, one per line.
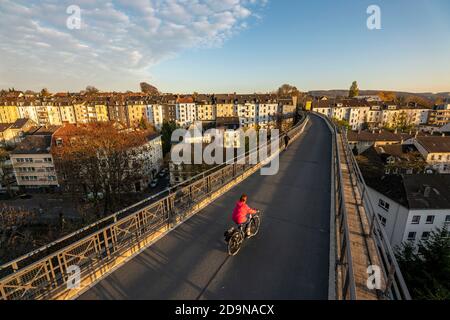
x=118, y=41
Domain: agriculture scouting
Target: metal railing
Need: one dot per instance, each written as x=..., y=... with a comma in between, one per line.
x=344, y=266
x=43, y=273
x=394, y=285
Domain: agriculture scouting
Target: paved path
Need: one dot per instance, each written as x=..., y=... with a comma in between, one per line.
x=289, y=259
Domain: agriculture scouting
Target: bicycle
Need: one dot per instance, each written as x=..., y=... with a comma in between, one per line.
x=235, y=236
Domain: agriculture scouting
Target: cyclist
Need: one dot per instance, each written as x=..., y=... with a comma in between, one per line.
x=242, y=213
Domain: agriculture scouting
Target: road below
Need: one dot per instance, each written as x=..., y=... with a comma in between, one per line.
x=289, y=259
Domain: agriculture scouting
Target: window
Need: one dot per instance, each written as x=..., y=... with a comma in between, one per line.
x=447, y=219
x=383, y=220
x=412, y=236
x=384, y=205
x=416, y=220
x=425, y=235
x=430, y=219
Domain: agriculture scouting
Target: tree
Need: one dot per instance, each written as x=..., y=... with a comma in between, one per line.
x=91, y=90
x=101, y=162
x=288, y=90
x=166, y=131
x=15, y=237
x=387, y=95
x=426, y=268
x=148, y=88
x=354, y=90
x=45, y=93
x=6, y=171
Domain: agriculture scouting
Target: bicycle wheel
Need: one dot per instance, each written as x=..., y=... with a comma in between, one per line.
x=254, y=226
x=234, y=244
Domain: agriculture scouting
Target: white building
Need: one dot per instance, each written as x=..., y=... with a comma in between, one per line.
x=33, y=163
x=154, y=114
x=424, y=207
x=266, y=113
x=436, y=152
x=185, y=112
x=247, y=112
x=152, y=156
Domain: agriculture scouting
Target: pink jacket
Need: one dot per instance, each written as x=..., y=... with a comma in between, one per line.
x=241, y=211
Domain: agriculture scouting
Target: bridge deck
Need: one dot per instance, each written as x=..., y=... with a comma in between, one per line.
x=359, y=227
x=289, y=259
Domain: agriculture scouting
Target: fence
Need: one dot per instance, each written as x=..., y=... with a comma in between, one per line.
x=43, y=274
x=394, y=285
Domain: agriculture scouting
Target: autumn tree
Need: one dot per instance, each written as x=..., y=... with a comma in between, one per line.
x=91, y=90
x=101, y=162
x=354, y=90
x=6, y=171
x=288, y=90
x=387, y=95
x=15, y=235
x=45, y=93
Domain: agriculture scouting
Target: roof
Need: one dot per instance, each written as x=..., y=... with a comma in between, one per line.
x=435, y=144
x=400, y=151
x=185, y=100
x=427, y=191
x=20, y=123
x=46, y=130
x=34, y=144
x=4, y=126
x=379, y=135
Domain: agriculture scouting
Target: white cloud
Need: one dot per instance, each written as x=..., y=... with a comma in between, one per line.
x=118, y=40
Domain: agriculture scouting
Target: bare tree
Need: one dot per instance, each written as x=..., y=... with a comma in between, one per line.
x=101, y=161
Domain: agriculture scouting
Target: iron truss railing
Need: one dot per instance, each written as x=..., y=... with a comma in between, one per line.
x=394, y=285
x=43, y=273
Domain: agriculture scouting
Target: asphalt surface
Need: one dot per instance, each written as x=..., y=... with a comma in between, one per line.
x=288, y=259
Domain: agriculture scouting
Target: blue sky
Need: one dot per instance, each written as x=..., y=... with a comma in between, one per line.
x=226, y=45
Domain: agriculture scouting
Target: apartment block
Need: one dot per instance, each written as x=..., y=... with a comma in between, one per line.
x=33, y=163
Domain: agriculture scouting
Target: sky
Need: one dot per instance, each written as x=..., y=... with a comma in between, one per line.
x=225, y=45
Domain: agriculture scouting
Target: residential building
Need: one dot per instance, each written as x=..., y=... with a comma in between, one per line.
x=33, y=163
x=225, y=106
x=363, y=140
x=9, y=111
x=154, y=114
x=420, y=205
x=246, y=109
x=436, y=152
x=205, y=108
x=185, y=111
x=440, y=115
x=267, y=112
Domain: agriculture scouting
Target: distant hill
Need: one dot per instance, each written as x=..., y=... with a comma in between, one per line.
x=427, y=99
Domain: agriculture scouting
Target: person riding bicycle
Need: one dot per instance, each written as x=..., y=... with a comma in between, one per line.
x=242, y=213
